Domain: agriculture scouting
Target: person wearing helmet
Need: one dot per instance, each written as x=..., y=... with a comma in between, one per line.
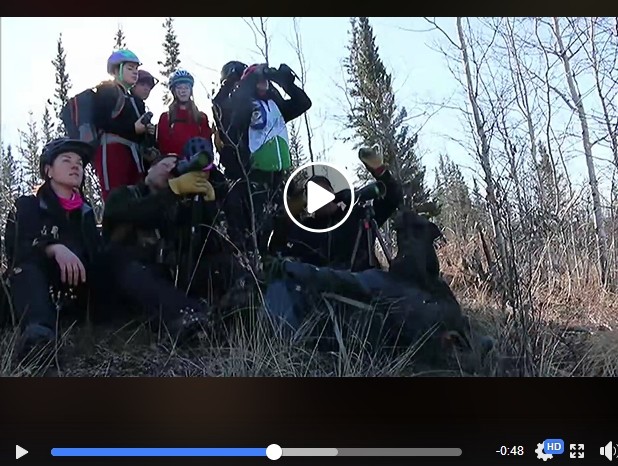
x=52, y=244
x=256, y=147
x=122, y=120
x=144, y=85
x=150, y=225
x=183, y=120
x=231, y=73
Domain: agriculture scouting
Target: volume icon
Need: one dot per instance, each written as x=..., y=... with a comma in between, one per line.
x=609, y=451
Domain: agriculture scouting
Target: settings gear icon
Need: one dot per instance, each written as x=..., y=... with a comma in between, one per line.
x=540, y=454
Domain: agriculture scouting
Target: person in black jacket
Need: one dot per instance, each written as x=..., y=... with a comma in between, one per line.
x=52, y=245
x=334, y=249
x=405, y=304
x=149, y=227
x=120, y=116
x=254, y=146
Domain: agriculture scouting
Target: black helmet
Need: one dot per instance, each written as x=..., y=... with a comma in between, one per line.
x=232, y=68
x=60, y=146
x=197, y=145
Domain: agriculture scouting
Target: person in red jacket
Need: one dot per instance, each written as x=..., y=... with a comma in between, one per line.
x=183, y=120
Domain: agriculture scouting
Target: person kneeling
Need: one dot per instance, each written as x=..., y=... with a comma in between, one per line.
x=142, y=224
x=52, y=244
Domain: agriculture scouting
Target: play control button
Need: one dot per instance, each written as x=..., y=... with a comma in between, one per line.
x=19, y=452
x=320, y=183
x=317, y=197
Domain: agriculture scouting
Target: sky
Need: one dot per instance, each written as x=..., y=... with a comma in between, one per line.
x=421, y=76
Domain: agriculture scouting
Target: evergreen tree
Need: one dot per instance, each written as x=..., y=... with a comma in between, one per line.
x=297, y=152
x=47, y=125
x=375, y=117
x=63, y=84
x=9, y=183
x=120, y=41
x=453, y=197
x=171, y=50
x=30, y=151
x=92, y=191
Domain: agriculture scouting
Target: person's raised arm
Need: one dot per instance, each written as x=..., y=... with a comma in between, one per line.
x=393, y=197
x=298, y=103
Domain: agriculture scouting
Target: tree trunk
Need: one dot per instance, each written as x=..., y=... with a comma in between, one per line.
x=484, y=149
x=578, y=102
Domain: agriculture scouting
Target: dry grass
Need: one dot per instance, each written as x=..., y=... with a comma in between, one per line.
x=568, y=333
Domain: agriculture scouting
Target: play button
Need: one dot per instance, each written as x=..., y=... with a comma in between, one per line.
x=316, y=185
x=19, y=452
x=317, y=197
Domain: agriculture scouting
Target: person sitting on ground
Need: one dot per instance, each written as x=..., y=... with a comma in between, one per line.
x=183, y=120
x=256, y=149
x=120, y=117
x=53, y=246
x=144, y=224
x=402, y=304
x=335, y=248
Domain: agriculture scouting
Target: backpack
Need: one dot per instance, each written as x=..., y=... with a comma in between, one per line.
x=78, y=116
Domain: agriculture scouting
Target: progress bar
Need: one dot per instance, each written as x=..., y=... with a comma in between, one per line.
x=273, y=452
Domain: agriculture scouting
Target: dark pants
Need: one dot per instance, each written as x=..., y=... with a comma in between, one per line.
x=265, y=189
x=38, y=295
x=149, y=287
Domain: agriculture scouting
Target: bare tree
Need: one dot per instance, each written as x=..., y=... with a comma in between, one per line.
x=261, y=36
x=297, y=44
x=601, y=48
x=481, y=125
x=576, y=102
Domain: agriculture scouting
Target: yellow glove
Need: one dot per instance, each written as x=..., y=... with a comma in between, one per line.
x=192, y=183
x=210, y=192
x=371, y=157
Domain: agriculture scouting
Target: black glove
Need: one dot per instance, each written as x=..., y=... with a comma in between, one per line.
x=284, y=76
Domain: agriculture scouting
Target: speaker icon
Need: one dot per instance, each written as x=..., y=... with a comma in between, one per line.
x=609, y=451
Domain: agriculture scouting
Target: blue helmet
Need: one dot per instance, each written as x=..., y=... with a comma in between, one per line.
x=196, y=145
x=119, y=57
x=180, y=77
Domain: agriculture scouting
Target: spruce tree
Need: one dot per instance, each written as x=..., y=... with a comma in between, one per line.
x=9, y=183
x=453, y=197
x=63, y=84
x=47, y=125
x=297, y=152
x=171, y=51
x=30, y=152
x=120, y=41
x=375, y=118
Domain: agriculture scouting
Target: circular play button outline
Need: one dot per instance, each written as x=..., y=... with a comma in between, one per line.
x=350, y=207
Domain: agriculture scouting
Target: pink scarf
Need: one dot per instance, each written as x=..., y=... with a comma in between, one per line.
x=76, y=202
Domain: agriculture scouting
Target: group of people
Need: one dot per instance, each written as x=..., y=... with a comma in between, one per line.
x=161, y=247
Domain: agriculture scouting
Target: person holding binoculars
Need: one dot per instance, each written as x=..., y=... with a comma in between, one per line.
x=255, y=151
x=148, y=228
x=336, y=248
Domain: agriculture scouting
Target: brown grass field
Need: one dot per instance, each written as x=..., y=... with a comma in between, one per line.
x=565, y=330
